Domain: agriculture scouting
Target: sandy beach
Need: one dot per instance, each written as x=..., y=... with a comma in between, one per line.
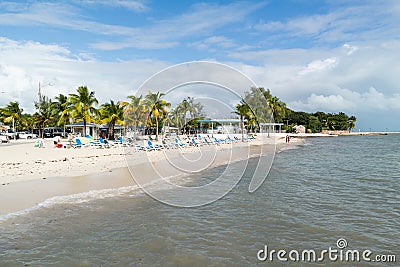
x=31, y=175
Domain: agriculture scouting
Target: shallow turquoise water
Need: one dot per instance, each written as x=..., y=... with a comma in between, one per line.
x=327, y=189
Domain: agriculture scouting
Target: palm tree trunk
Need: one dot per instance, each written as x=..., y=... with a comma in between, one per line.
x=15, y=133
x=84, y=127
x=157, y=128
x=112, y=131
x=43, y=130
x=241, y=126
x=185, y=123
x=135, y=129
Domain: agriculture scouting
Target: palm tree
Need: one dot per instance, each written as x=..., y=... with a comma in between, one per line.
x=243, y=110
x=352, y=123
x=135, y=110
x=27, y=121
x=81, y=106
x=195, y=109
x=59, y=107
x=46, y=114
x=277, y=107
x=176, y=118
x=112, y=114
x=184, y=107
x=12, y=113
x=157, y=107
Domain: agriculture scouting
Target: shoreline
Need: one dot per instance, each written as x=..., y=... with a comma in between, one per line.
x=26, y=192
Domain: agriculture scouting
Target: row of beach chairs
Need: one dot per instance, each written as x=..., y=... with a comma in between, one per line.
x=166, y=143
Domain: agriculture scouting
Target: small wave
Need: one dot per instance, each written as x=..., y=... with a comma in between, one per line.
x=288, y=148
x=74, y=199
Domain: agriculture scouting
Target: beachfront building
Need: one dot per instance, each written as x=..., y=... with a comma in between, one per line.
x=271, y=127
x=221, y=126
x=232, y=126
x=299, y=129
x=77, y=129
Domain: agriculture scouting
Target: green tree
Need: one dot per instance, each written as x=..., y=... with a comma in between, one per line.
x=184, y=107
x=277, y=108
x=176, y=118
x=12, y=113
x=45, y=116
x=256, y=99
x=81, y=106
x=135, y=111
x=352, y=123
x=243, y=110
x=112, y=113
x=157, y=107
x=196, y=108
x=27, y=121
x=60, y=107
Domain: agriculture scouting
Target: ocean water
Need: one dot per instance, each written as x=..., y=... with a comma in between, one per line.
x=322, y=190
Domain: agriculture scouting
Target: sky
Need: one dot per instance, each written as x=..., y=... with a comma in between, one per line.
x=315, y=55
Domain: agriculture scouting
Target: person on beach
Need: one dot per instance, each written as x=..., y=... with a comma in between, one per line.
x=39, y=143
x=70, y=140
x=287, y=139
x=56, y=140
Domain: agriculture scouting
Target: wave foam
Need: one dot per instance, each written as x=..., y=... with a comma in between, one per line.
x=74, y=199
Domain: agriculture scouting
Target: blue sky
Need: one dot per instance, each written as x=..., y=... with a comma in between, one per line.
x=314, y=55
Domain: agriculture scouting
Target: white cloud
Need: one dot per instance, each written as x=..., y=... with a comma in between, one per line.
x=24, y=64
x=214, y=43
x=307, y=25
x=137, y=6
x=318, y=65
x=371, y=100
x=362, y=20
x=59, y=15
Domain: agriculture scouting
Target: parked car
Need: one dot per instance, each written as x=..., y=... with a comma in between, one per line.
x=4, y=138
x=11, y=134
x=53, y=131
x=27, y=135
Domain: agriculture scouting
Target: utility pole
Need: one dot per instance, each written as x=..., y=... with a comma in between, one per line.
x=40, y=95
x=39, y=98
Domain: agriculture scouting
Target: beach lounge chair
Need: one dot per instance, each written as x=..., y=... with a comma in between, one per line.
x=152, y=146
x=178, y=143
x=166, y=145
x=207, y=141
x=131, y=143
x=94, y=144
x=229, y=139
x=250, y=137
x=120, y=141
x=218, y=141
x=195, y=143
x=104, y=143
x=147, y=147
x=78, y=144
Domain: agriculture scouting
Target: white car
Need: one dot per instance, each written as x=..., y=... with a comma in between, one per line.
x=4, y=139
x=26, y=135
